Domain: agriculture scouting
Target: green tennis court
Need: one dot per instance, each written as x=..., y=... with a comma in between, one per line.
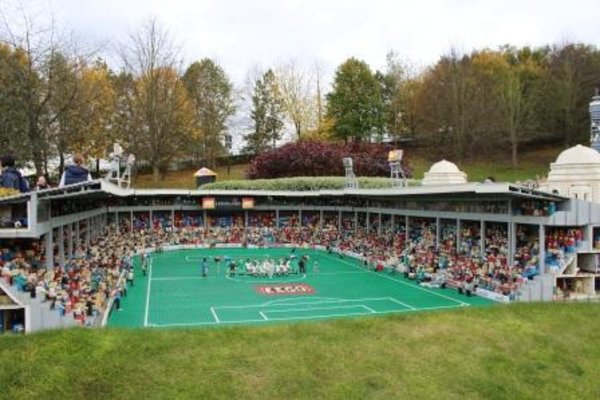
x=175, y=294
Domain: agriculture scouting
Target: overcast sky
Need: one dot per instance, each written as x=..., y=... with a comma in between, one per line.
x=243, y=33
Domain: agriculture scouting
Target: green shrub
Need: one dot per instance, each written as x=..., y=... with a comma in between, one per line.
x=298, y=183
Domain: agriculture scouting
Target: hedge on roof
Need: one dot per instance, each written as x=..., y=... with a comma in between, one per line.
x=298, y=183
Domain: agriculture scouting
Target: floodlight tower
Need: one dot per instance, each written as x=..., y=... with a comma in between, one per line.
x=396, y=172
x=114, y=174
x=595, y=121
x=351, y=181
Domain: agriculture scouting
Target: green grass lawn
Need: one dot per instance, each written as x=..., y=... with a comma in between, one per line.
x=185, y=179
x=532, y=163
x=526, y=351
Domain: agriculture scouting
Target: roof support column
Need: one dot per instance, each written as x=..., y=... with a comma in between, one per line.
x=61, y=245
x=542, y=246
x=320, y=219
x=70, y=241
x=87, y=233
x=482, y=237
x=438, y=231
x=49, y=249
x=458, y=235
x=512, y=243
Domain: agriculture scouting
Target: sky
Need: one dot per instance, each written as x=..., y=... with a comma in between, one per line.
x=241, y=35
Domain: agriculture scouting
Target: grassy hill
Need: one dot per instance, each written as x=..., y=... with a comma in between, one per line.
x=533, y=163
x=548, y=351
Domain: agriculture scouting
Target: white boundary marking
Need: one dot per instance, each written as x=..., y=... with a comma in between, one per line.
x=315, y=309
x=147, y=308
x=275, y=279
x=401, y=303
x=399, y=281
x=370, y=309
x=247, y=321
x=176, y=278
x=263, y=315
x=262, y=305
x=212, y=310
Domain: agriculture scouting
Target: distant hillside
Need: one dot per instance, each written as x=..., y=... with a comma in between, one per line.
x=533, y=163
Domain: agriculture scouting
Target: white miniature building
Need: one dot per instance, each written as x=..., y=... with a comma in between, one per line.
x=444, y=173
x=575, y=174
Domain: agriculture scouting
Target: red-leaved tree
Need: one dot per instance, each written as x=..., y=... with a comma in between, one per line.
x=315, y=158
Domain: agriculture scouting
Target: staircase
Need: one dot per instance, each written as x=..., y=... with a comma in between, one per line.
x=41, y=317
x=540, y=288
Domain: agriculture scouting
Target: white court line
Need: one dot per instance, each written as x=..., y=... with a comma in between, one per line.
x=176, y=278
x=307, y=303
x=314, y=309
x=247, y=321
x=369, y=308
x=275, y=279
x=292, y=300
x=263, y=315
x=147, y=309
x=212, y=310
x=320, y=316
x=401, y=303
x=340, y=273
x=399, y=281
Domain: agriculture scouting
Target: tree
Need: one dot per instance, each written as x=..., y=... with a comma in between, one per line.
x=13, y=113
x=572, y=76
x=400, y=84
x=162, y=117
x=37, y=46
x=454, y=107
x=355, y=103
x=266, y=114
x=298, y=98
x=211, y=93
x=515, y=74
x=64, y=107
x=98, y=106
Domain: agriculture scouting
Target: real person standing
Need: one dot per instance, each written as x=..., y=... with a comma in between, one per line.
x=75, y=173
x=42, y=183
x=11, y=177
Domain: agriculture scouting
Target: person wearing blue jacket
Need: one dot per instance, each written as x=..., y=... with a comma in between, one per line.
x=75, y=173
x=11, y=177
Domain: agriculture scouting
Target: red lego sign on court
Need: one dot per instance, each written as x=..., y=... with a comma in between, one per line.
x=290, y=289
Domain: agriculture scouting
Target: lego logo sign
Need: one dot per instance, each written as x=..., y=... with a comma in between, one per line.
x=286, y=289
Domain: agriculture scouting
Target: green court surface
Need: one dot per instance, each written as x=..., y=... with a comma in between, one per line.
x=174, y=294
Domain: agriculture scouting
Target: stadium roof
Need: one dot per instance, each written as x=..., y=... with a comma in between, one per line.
x=101, y=188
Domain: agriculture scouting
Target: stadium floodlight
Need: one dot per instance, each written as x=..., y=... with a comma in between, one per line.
x=114, y=174
x=351, y=181
x=395, y=156
x=396, y=171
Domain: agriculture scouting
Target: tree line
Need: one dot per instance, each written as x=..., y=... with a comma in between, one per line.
x=55, y=101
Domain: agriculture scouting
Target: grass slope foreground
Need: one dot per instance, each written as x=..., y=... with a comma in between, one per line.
x=525, y=351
